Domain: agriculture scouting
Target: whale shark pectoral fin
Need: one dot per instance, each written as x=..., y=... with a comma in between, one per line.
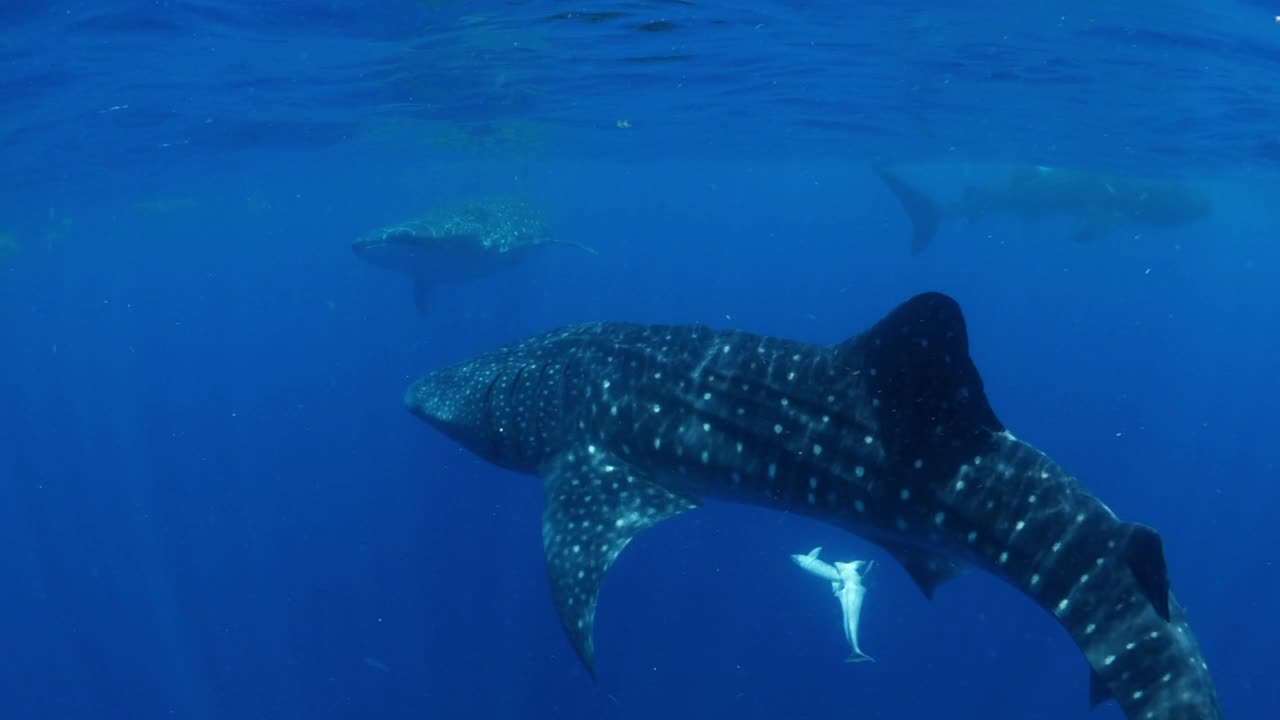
x=1098, y=691
x=595, y=504
x=1144, y=552
x=928, y=570
x=422, y=294
x=858, y=656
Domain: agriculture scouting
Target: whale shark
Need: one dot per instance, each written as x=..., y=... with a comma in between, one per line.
x=459, y=243
x=846, y=583
x=1100, y=203
x=888, y=435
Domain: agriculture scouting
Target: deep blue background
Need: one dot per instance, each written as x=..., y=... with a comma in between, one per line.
x=213, y=505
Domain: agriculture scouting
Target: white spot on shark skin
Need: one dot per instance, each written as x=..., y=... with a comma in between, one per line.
x=1035, y=579
x=868, y=440
x=813, y=483
x=901, y=523
x=859, y=471
x=1062, y=607
x=773, y=471
x=813, y=499
x=1004, y=558
x=1018, y=526
x=859, y=506
x=706, y=457
x=939, y=518
x=972, y=537
x=777, y=429
x=657, y=408
x=817, y=449
x=706, y=396
x=918, y=463
x=1137, y=694
x=605, y=384
x=1090, y=628
x=959, y=485
x=905, y=494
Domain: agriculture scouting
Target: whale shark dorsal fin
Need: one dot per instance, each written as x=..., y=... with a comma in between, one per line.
x=813, y=554
x=595, y=504
x=915, y=366
x=928, y=570
x=1144, y=552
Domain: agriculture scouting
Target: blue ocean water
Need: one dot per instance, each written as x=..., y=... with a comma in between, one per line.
x=213, y=504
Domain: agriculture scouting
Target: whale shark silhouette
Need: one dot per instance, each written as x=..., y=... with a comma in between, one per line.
x=1101, y=203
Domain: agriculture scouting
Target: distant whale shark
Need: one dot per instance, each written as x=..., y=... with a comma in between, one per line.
x=1101, y=203
x=846, y=583
x=888, y=435
x=458, y=243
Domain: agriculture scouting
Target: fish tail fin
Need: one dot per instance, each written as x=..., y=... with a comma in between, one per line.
x=858, y=656
x=924, y=212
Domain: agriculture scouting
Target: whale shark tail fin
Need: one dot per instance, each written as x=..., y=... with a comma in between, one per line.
x=925, y=213
x=858, y=656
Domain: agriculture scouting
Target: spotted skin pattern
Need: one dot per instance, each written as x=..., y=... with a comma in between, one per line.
x=888, y=435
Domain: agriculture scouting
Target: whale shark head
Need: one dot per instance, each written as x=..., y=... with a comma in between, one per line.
x=455, y=401
x=394, y=248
